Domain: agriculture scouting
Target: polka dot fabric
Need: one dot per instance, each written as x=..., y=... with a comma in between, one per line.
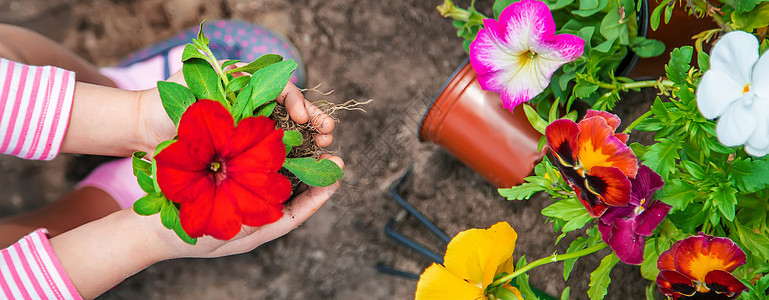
x=230, y=39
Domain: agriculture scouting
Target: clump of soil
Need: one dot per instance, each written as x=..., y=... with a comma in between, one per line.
x=308, y=148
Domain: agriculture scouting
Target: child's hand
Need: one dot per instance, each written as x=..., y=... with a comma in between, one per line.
x=299, y=209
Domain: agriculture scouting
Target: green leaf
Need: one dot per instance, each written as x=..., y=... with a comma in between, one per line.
x=605, y=46
x=613, y=26
x=500, y=5
x=584, y=89
x=162, y=146
x=677, y=193
x=576, y=245
x=176, y=98
x=650, y=290
x=661, y=157
x=750, y=175
x=140, y=165
x=148, y=205
x=523, y=281
x=201, y=35
x=259, y=63
x=703, y=61
x=558, y=4
x=292, y=138
x=565, y=209
x=169, y=215
x=649, y=268
x=266, y=84
x=590, y=7
x=237, y=84
x=750, y=20
x=521, y=191
x=756, y=243
x=191, y=52
x=678, y=67
x=644, y=47
x=183, y=234
x=267, y=109
x=565, y=293
x=599, y=279
x=229, y=63
x=203, y=81
x=536, y=121
x=314, y=172
x=724, y=198
x=146, y=183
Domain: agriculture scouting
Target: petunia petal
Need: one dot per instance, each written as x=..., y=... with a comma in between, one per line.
x=735, y=54
x=206, y=127
x=674, y=284
x=697, y=255
x=248, y=133
x=723, y=282
x=176, y=184
x=267, y=155
x=597, y=146
x=437, y=283
x=652, y=216
x=226, y=220
x=562, y=140
x=716, y=92
x=737, y=123
x=475, y=254
x=622, y=239
x=195, y=214
x=261, y=199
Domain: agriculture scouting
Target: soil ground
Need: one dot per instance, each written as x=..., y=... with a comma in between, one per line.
x=397, y=53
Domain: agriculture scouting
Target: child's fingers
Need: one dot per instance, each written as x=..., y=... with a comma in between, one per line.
x=323, y=122
x=295, y=103
x=324, y=140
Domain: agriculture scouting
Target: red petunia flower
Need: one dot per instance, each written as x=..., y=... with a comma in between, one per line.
x=594, y=160
x=224, y=176
x=699, y=267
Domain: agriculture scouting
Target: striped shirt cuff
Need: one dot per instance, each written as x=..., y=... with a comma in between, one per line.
x=35, y=105
x=30, y=269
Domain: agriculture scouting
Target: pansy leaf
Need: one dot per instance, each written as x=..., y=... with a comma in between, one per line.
x=661, y=157
x=259, y=63
x=677, y=193
x=175, y=98
x=703, y=61
x=578, y=244
x=521, y=191
x=183, y=234
x=169, y=215
x=314, y=172
x=751, y=19
x=203, y=81
x=148, y=205
x=292, y=138
x=649, y=268
x=523, y=280
x=754, y=242
x=139, y=165
x=750, y=174
x=724, y=198
x=565, y=209
x=565, y=293
x=599, y=279
x=190, y=51
x=678, y=67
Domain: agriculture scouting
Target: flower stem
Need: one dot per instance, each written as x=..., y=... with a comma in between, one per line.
x=637, y=121
x=637, y=84
x=546, y=260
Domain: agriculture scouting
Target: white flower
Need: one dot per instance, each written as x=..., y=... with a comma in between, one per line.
x=736, y=89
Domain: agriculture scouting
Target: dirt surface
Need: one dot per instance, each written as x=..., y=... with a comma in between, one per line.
x=398, y=53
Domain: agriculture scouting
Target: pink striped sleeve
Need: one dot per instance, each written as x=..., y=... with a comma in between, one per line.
x=35, y=104
x=30, y=270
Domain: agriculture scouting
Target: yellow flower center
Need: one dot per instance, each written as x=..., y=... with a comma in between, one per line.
x=639, y=209
x=746, y=88
x=527, y=56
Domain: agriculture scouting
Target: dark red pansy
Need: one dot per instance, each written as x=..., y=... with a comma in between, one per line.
x=593, y=160
x=224, y=176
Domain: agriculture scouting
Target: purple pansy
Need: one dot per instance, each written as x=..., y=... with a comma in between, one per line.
x=517, y=55
x=625, y=228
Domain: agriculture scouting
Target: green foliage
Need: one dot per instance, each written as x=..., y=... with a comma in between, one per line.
x=292, y=138
x=266, y=84
x=202, y=80
x=314, y=172
x=599, y=279
x=176, y=99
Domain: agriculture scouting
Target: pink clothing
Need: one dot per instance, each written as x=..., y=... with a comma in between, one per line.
x=30, y=270
x=35, y=104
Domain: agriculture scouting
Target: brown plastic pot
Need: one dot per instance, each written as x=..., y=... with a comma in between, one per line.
x=472, y=125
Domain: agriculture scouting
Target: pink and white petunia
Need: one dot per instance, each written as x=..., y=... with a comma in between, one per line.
x=736, y=90
x=517, y=55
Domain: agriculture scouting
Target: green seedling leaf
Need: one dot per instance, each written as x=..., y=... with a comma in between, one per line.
x=240, y=102
x=703, y=60
x=175, y=98
x=169, y=215
x=229, y=63
x=191, y=52
x=146, y=183
x=140, y=165
x=266, y=84
x=565, y=293
x=183, y=234
x=536, y=121
x=203, y=81
x=237, y=84
x=599, y=279
x=292, y=138
x=576, y=245
x=202, y=36
x=314, y=172
x=678, y=67
x=259, y=63
x=724, y=198
x=267, y=109
x=148, y=205
x=644, y=47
